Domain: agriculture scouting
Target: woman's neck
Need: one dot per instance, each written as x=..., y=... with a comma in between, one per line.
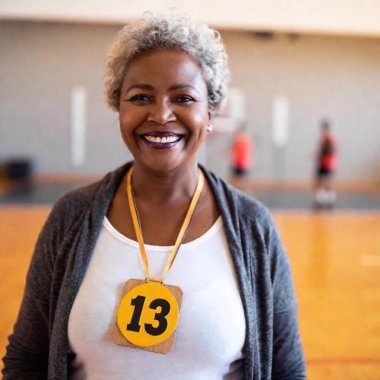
x=165, y=188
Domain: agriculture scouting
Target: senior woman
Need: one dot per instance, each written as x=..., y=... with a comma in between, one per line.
x=159, y=270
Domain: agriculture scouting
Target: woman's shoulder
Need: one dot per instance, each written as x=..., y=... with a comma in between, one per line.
x=234, y=201
x=255, y=223
x=80, y=197
x=246, y=218
x=75, y=203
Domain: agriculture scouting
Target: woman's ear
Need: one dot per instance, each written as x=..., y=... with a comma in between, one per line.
x=210, y=127
x=211, y=113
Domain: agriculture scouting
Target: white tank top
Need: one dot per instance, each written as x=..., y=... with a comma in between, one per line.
x=211, y=330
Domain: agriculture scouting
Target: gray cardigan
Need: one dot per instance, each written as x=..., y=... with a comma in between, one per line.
x=38, y=347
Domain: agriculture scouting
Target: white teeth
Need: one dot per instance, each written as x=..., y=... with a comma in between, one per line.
x=163, y=140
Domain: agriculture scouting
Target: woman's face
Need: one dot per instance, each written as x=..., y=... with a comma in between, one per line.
x=164, y=110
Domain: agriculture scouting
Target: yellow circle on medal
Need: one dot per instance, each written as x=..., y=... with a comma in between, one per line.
x=148, y=314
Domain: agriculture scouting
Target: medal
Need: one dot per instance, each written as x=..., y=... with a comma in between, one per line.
x=148, y=312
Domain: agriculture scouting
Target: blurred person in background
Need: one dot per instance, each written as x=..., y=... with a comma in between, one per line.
x=98, y=303
x=325, y=194
x=241, y=156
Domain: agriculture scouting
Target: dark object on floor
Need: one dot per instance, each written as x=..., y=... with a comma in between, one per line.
x=18, y=168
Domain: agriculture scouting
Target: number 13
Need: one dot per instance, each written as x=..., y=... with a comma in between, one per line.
x=160, y=317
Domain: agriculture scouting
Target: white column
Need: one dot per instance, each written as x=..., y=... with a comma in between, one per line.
x=78, y=126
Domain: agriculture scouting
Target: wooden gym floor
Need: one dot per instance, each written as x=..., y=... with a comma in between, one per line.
x=335, y=260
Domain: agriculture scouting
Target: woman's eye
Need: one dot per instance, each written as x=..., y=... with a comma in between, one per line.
x=140, y=99
x=184, y=99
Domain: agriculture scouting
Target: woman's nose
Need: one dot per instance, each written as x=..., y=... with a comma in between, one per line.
x=161, y=113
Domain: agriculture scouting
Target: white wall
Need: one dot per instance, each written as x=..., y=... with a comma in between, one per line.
x=332, y=77
x=336, y=78
x=350, y=17
x=40, y=65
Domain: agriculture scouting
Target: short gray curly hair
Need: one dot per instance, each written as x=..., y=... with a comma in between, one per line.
x=170, y=30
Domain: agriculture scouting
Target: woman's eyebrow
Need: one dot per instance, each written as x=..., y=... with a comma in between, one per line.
x=174, y=87
x=182, y=85
x=140, y=86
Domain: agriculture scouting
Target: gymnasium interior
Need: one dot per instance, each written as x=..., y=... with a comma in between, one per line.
x=293, y=65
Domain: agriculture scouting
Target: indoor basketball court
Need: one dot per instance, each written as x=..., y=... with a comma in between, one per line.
x=294, y=69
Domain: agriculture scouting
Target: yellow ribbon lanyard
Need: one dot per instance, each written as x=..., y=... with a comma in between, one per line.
x=182, y=232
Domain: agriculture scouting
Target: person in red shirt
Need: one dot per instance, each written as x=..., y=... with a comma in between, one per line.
x=242, y=148
x=325, y=195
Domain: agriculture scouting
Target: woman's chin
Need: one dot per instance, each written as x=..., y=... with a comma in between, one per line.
x=165, y=164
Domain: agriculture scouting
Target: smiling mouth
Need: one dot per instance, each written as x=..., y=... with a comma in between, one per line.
x=161, y=140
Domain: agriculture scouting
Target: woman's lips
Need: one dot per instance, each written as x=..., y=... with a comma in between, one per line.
x=161, y=140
